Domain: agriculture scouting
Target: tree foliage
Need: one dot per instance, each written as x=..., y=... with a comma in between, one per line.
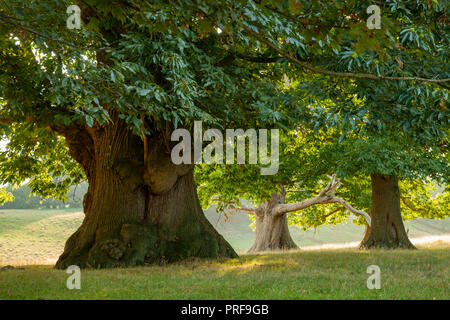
x=163, y=64
x=23, y=198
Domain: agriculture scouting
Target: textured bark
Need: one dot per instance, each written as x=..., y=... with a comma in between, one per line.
x=136, y=212
x=272, y=231
x=387, y=229
x=326, y=195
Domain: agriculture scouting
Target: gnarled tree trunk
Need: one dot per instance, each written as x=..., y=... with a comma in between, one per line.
x=272, y=231
x=387, y=229
x=135, y=212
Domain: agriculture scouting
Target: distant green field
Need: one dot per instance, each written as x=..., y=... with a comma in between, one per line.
x=38, y=236
x=34, y=239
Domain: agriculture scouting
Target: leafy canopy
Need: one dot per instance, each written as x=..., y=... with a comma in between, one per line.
x=163, y=64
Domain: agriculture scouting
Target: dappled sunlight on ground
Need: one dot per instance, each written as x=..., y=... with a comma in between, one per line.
x=427, y=241
x=313, y=274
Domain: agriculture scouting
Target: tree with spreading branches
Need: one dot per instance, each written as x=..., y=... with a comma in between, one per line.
x=99, y=102
x=276, y=200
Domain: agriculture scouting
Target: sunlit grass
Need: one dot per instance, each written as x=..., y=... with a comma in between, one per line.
x=326, y=274
x=35, y=236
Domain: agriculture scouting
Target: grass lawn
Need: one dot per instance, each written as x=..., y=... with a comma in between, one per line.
x=321, y=274
x=35, y=238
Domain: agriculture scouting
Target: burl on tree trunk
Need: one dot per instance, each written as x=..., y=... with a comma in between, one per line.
x=135, y=212
x=387, y=229
x=272, y=232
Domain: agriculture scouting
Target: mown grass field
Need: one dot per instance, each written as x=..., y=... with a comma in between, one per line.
x=35, y=236
x=32, y=240
x=324, y=274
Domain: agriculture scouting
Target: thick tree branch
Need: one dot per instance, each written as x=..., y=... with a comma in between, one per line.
x=241, y=208
x=444, y=86
x=298, y=20
x=6, y=19
x=6, y=120
x=81, y=145
x=245, y=209
x=333, y=212
x=257, y=59
x=410, y=206
x=325, y=196
x=352, y=210
x=334, y=73
x=296, y=206
x=331, y=187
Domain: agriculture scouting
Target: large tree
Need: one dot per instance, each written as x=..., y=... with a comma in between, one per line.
x=394, y=173
x=356, y=129
x=100, y=103
x=294, y=197
x=274, y=202
x=390, y=131
x=395, y=135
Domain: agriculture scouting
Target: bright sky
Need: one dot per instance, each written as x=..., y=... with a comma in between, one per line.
x=2, y=148
x=3, y=144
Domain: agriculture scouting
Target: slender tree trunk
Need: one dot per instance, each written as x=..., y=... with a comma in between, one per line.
x=387, y=229
x=136, y=212
x=272, y=231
